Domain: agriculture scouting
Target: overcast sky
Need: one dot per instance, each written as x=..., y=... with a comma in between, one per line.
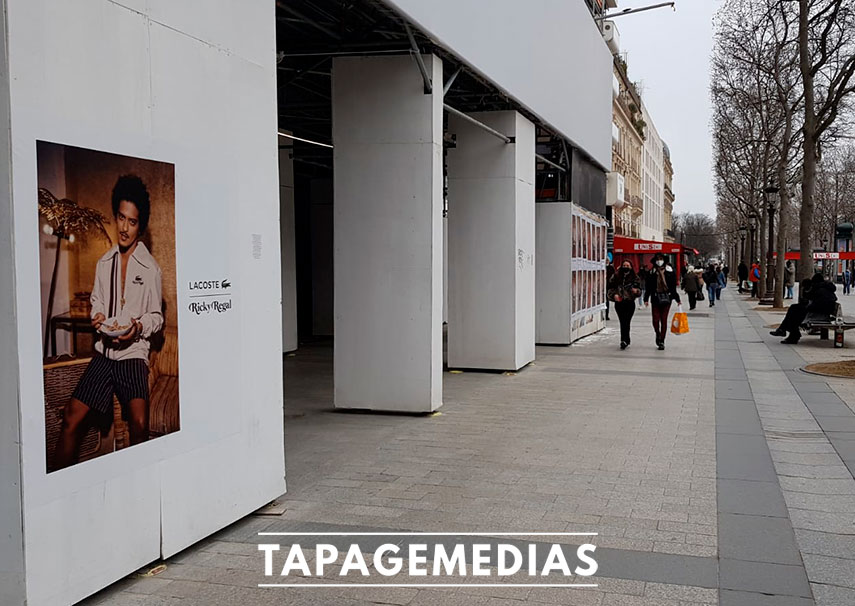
x=669, y=53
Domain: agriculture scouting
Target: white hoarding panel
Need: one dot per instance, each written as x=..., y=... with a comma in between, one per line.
x=549, y=55
x=145, y=87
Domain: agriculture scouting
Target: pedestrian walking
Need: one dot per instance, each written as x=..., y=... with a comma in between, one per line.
x=660, y=290
x=789, y=279
x=742, y=274
x=722, y=283
x=847, y=277
x=726, y=271
x=691, y=286
x=624, y=289
x=711, y=280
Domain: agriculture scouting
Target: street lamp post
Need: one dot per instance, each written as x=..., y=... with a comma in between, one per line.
x=743, y=231
x=752, y=227
x=772, y=200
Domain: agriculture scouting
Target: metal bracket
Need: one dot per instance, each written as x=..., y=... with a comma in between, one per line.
x=419, y=60
x=451, y=80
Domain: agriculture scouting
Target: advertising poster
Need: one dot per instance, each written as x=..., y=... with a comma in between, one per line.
x=588, y=270
x=108, y=301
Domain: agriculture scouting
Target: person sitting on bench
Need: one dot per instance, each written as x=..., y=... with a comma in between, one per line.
x=820, y=299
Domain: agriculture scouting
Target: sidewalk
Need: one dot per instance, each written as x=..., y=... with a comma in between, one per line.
x=588, y=438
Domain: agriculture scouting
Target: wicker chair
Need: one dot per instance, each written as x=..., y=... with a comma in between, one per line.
x=163, y=385
x=60, y=379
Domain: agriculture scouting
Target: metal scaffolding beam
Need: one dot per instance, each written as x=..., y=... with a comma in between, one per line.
x=481, y=125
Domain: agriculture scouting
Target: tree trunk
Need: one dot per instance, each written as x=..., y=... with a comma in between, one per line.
x=806, y=265
x=764, y=224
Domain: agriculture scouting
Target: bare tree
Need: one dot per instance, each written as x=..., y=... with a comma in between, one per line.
x=757, y=96
x=698, y=231
x=826, y=36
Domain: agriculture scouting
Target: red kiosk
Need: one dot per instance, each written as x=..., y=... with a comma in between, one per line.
x=640, y=252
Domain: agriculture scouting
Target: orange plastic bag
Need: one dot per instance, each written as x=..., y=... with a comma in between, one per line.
x=680, y=322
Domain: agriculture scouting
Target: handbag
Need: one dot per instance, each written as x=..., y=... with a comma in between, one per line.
x=662, y=298
x=680, y=322
x=700, y=296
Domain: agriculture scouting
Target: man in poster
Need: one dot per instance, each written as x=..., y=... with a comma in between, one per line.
x=127, y=292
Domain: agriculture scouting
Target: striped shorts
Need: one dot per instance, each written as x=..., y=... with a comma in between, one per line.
x=127, y=379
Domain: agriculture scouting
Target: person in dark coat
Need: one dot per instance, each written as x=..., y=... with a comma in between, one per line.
x=624, y=289
x=742, y=274
x=691, y=286
x=819, y=298
x=660, y=291
x=722, y=282
x=711, y=280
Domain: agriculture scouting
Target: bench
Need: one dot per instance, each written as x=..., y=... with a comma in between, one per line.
x=823, y=323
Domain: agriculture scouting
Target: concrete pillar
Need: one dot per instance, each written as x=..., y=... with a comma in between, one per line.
x=491, y=234
x=388, y=234
x=288, y=251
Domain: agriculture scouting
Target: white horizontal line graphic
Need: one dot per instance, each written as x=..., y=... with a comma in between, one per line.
x=428, y=585
x=428, y=534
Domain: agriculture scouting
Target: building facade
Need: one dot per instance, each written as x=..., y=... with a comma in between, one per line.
x=627, y=146
x=669, y=195
x=653, y=182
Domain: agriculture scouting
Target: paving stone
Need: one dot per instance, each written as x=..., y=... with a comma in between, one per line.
x=745, y=598
x=751, y=498
x=680, y=592
x=564, y=597
x=830, y=595
x=744, y=457
x=838, y=486
x=830, y=571
x=822, y=502
x=834, y=523
x=836, y=423
x=757, y=539
x=761, y=577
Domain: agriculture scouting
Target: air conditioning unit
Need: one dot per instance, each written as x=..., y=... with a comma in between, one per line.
x=611, y=36
x=615, y=190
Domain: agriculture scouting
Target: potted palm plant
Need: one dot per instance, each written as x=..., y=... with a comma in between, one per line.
x=68, y=221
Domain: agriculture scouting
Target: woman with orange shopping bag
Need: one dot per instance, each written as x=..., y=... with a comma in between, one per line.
x=661, y=290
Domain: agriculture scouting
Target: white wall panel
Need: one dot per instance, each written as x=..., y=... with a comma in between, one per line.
x=12, y=586
x=549, y=55
x=554, y=250
x=158, y=80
